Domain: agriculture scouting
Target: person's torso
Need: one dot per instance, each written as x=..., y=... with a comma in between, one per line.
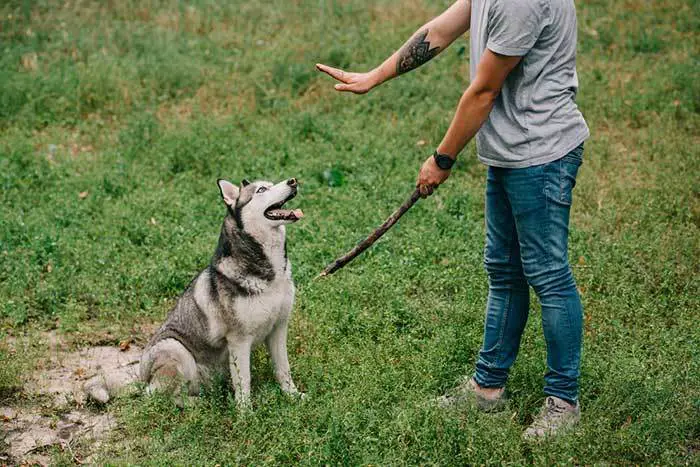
x=535, y=118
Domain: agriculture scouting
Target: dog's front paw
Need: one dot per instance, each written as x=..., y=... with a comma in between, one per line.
x=244, y=405
x=296, y=394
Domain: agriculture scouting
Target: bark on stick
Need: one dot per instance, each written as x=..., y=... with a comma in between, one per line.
x=373, y=237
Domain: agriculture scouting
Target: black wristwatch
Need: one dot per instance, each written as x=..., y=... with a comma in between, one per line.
x=443, y=161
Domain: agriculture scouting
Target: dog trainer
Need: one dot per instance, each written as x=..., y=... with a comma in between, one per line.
x=521, y=107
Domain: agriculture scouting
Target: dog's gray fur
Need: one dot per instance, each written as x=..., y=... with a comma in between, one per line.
x=245, y=296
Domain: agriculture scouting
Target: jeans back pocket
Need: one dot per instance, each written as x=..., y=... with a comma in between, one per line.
x=561, y=176
x=568, y=172
x=575, y=157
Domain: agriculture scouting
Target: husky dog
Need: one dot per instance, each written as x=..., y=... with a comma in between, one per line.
x=244, y=297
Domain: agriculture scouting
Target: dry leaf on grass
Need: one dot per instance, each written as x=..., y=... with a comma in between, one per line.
x=30, y=61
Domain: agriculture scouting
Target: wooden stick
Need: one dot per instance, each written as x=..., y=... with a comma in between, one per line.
x=373, y=237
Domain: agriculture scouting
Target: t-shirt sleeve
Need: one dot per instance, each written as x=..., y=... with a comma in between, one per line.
x=515, y=25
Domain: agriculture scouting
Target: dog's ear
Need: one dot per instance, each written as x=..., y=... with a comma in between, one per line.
x=245, y=182
x=229, y=192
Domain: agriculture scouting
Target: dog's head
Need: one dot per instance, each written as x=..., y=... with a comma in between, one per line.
x=260, y=203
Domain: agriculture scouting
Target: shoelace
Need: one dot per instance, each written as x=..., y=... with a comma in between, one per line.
x=552, y=410
x=553, y=407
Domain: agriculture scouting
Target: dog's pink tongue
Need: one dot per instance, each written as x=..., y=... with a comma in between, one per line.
x=298, y=213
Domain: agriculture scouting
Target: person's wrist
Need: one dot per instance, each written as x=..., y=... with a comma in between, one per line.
x=443, y=161
x=447, y=150
x=375, y=77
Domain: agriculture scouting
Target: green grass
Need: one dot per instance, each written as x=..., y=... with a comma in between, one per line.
x=141, y=106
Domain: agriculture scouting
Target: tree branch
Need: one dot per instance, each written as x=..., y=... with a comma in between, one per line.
x=373, y=237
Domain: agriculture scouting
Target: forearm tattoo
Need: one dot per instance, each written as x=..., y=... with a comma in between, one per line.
x=414, y=53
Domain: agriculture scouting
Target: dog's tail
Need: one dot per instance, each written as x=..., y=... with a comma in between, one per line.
x=107, y=384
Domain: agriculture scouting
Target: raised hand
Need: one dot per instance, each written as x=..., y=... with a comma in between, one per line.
x=358, y=83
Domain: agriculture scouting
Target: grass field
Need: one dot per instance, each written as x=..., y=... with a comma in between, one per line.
x=117, y=117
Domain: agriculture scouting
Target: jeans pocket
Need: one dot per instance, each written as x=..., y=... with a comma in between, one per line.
x=575, y=157
x=560, y=177
x=567, y=182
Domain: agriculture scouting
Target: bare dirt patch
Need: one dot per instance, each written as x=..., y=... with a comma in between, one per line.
x=53, y=410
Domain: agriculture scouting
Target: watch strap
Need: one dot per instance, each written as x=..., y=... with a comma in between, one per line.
x=443, y=161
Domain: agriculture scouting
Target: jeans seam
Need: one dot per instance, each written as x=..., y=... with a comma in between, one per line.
x=561, y=181
x=545, y=227
x=501, y=331
x=572, y=349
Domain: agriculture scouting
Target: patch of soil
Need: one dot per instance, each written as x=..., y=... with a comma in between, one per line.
x=27, y=430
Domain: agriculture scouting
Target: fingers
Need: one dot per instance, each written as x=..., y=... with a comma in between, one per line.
x=335, y=73
x=426, y=190
x=349, y=82
x=354, y=87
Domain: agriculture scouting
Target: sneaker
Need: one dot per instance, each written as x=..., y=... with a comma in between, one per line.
x=467, y=392
x=556, y=416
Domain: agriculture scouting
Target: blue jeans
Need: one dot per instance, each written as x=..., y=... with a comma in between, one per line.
x=527, y=229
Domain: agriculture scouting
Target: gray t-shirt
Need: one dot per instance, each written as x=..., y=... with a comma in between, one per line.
x=535, y=119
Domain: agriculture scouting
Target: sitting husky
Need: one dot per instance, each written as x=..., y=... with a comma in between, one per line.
x=242, y=298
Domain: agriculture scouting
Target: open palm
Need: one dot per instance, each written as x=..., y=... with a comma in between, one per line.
x=358, y=83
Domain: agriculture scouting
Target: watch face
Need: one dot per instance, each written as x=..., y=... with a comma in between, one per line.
x=444, y=162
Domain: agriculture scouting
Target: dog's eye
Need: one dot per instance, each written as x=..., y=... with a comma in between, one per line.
x=262, y=189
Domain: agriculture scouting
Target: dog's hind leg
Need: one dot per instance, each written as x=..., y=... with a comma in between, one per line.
x=169, y=367
x=276, y=343
x=106, y=384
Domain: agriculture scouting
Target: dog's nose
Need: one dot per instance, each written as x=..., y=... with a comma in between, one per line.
x=292, y=182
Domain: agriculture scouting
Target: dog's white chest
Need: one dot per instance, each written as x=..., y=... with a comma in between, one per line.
x=258, y=314
x=247, y=316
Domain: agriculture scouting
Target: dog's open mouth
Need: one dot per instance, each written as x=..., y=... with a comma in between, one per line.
x=276, y=213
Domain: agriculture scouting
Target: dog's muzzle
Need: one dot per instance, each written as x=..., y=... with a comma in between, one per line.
x=276, y=213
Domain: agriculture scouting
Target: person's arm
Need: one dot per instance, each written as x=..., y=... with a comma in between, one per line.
x=431, y=39
x=473, y=110
x=513, y=29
